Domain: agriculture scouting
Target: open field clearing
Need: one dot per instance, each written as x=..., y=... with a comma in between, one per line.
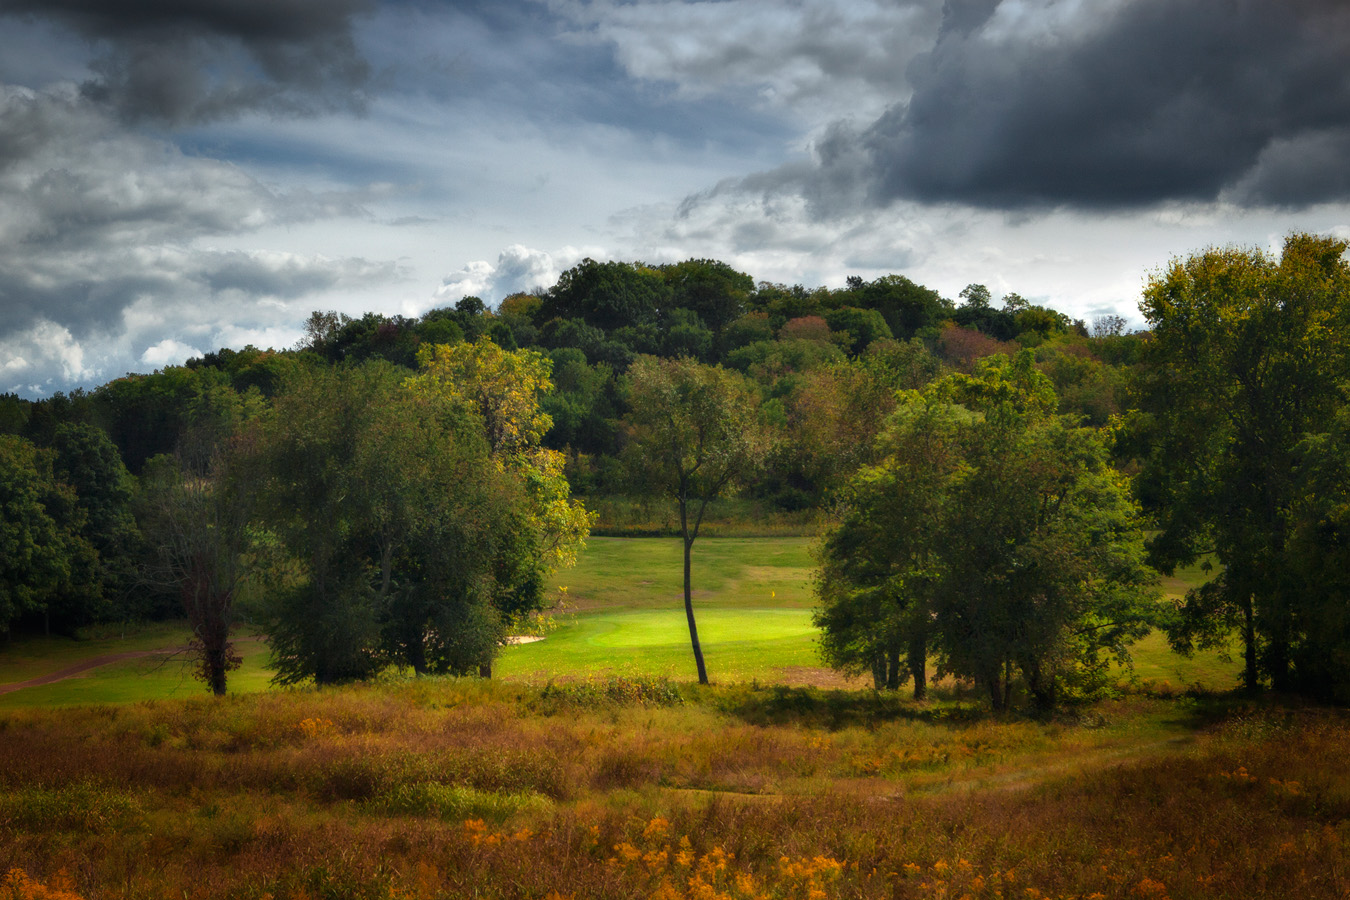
x=622, y=616
x=439, y=788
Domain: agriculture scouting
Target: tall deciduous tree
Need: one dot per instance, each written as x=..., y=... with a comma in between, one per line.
x=196, y=505
x=1249, y=359
x=995, y=533
x=423, y=510
x=88, y=461
x=695, y=431
x=375, y=494
x=881, y=564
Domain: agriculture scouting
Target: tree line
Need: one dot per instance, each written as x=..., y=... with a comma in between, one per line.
x=1002, y=481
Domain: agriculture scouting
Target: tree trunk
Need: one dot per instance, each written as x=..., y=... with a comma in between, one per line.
x=995, y=687
x=1040, y=686
x=878, y=671
x=485, y=670
x=1007, y=683
x=689, y=604
x=219, y=663
x=1250, y=678
x=918, y=665
x=416, y=650
x=892, y=668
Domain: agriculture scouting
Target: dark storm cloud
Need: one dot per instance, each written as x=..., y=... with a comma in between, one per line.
x=182, y=61
x=1125, y=105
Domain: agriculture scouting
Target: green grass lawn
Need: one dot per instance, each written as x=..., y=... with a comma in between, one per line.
x=1155, y=661
x=624, y=615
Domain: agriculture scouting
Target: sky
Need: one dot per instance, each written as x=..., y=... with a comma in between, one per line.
x=182, y=175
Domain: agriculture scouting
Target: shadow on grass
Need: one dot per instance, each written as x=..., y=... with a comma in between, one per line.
x=834, y=710
x=758, y=704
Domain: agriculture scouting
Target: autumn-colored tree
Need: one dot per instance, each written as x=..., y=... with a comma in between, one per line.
x=506, y=388
x=837, y=412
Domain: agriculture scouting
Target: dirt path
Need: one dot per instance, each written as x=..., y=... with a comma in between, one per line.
x=94, y=662
x=1084, y=762
x=81, y=667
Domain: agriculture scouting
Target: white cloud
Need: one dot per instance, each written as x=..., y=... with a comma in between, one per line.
x=168, y=352
x=45, y=352
x=473, y=279
x=518, y=268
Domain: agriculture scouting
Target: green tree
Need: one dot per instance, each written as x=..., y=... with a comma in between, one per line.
x=1044, y=571
x=45, y=564
x=695, y=431
x=14, y=412
x=87, y=460
x=881, y=564
x=1319, y=554
x=444, y=528
x=713, y=290
x=145, y=414
x=1249, y=360
x=195, y=510
x=908, y=308
x=996, y=532
x=325, y=624
x=608, y=295
x=423, y=512
x=860, y=326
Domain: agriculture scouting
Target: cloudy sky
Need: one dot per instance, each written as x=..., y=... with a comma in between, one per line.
x=181, y=175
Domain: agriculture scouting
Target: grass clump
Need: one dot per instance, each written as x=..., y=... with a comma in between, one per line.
x=614, y=690
x=84, y=806
x=452, y=802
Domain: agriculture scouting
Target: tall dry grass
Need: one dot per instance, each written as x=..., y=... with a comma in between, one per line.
x=449, y=789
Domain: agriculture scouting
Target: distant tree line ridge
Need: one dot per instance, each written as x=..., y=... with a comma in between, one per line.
x=329, y=484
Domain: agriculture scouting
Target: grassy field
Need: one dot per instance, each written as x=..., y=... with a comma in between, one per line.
x=623, y=615
x=619, y=784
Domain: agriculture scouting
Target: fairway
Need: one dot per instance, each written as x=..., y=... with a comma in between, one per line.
x=615, y=573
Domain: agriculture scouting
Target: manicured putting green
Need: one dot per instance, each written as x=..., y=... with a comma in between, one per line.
x=738, y=644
